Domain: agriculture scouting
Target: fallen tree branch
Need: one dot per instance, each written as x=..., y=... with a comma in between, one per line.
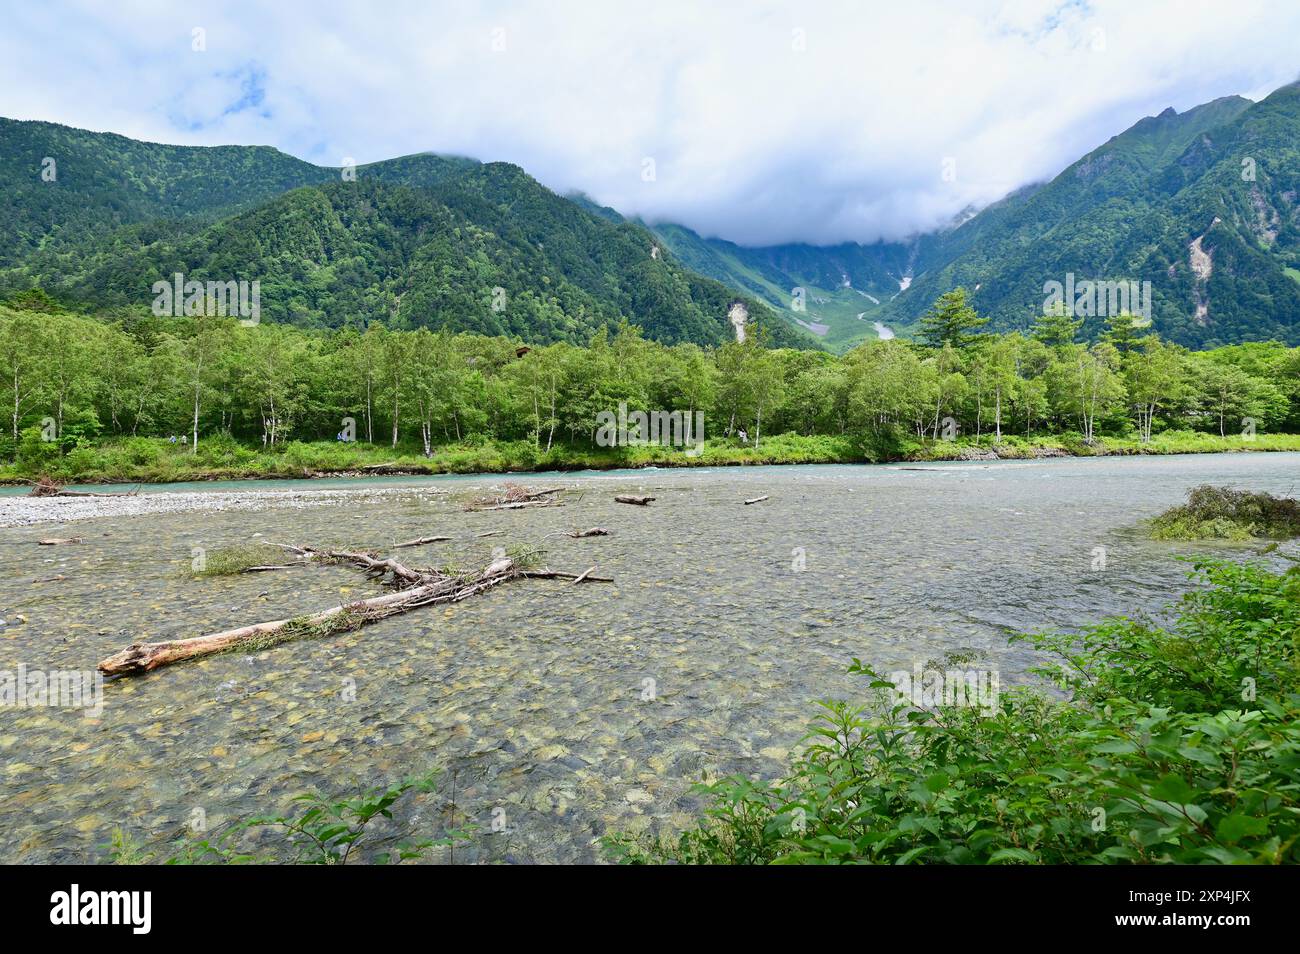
x=411, y=588
x=515, y=496
x=365, y=561
x=756, y=500
x=593, y=532
x=143, y=657
x=522, y=503
x=419, y=542
x=45, y=487
x=558, y=575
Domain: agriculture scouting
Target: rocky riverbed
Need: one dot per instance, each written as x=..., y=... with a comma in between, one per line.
x=563, y=712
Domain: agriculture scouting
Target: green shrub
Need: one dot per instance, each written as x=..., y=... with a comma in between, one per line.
x=142, y=451
x=35, y=454
x=83, y=459
x=324, y=832
x=233, y=560
x=222, y=450
x=80, y=427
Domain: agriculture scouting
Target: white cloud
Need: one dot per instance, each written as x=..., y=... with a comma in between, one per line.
x=753, y=138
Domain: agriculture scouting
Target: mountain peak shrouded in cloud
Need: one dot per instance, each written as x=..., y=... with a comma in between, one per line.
x=760, y=123
x=1199, y=206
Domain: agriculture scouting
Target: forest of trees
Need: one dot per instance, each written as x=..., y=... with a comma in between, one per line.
x=73, y=379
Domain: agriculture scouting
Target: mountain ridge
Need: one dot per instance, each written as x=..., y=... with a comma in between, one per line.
x=1010, y=242
x=1165, y=201
x=425, y=240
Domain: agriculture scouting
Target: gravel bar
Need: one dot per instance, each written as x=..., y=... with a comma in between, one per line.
x=22, y=511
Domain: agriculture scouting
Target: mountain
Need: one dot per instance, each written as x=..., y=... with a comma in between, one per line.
x=1204, y=205
x=60, y=182
x=1169, y=201
x=421, y=240
x=1201, y=204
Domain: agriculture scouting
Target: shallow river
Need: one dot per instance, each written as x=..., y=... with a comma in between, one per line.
x=536, y=696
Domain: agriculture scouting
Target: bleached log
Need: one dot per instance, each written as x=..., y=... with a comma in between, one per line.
x=419, y=542
x=144, y=657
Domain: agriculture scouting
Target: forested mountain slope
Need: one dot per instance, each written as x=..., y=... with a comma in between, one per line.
x=1201, y=204
x=419, y=241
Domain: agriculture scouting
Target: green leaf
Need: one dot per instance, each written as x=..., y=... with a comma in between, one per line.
x=1173, y=788
x=1232, y=828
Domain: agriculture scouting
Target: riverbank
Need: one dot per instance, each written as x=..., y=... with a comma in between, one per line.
x=156, y=461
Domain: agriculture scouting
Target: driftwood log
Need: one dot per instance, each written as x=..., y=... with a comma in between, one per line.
x=637, y=499
x=519, y=504
x=419, y=542
x=45, y=487
x=756, y=500
x=557, y=575
x=411, y=588
x=516, y=496
x=593, y=532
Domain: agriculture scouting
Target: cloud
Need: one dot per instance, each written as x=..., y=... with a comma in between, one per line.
x=766, y=122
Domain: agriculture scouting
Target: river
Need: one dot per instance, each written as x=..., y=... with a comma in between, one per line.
x=563, y=712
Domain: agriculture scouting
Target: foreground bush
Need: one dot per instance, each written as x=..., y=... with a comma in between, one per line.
x=1173, y=745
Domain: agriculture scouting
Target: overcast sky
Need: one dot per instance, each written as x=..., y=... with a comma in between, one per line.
x=758, y=121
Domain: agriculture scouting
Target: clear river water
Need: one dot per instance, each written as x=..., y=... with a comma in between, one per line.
x=563, y=712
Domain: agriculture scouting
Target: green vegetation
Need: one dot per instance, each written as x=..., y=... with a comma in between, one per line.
x=1219, y=513
x=1073, y=444
x=426, y=240
x=1177, y=744
x=1222, y=173
x=324, y=832
x=141, y=398
x=302, y=627
x=229, y=561
x=952, y=322
x=1127, y=211
x=417, y=242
